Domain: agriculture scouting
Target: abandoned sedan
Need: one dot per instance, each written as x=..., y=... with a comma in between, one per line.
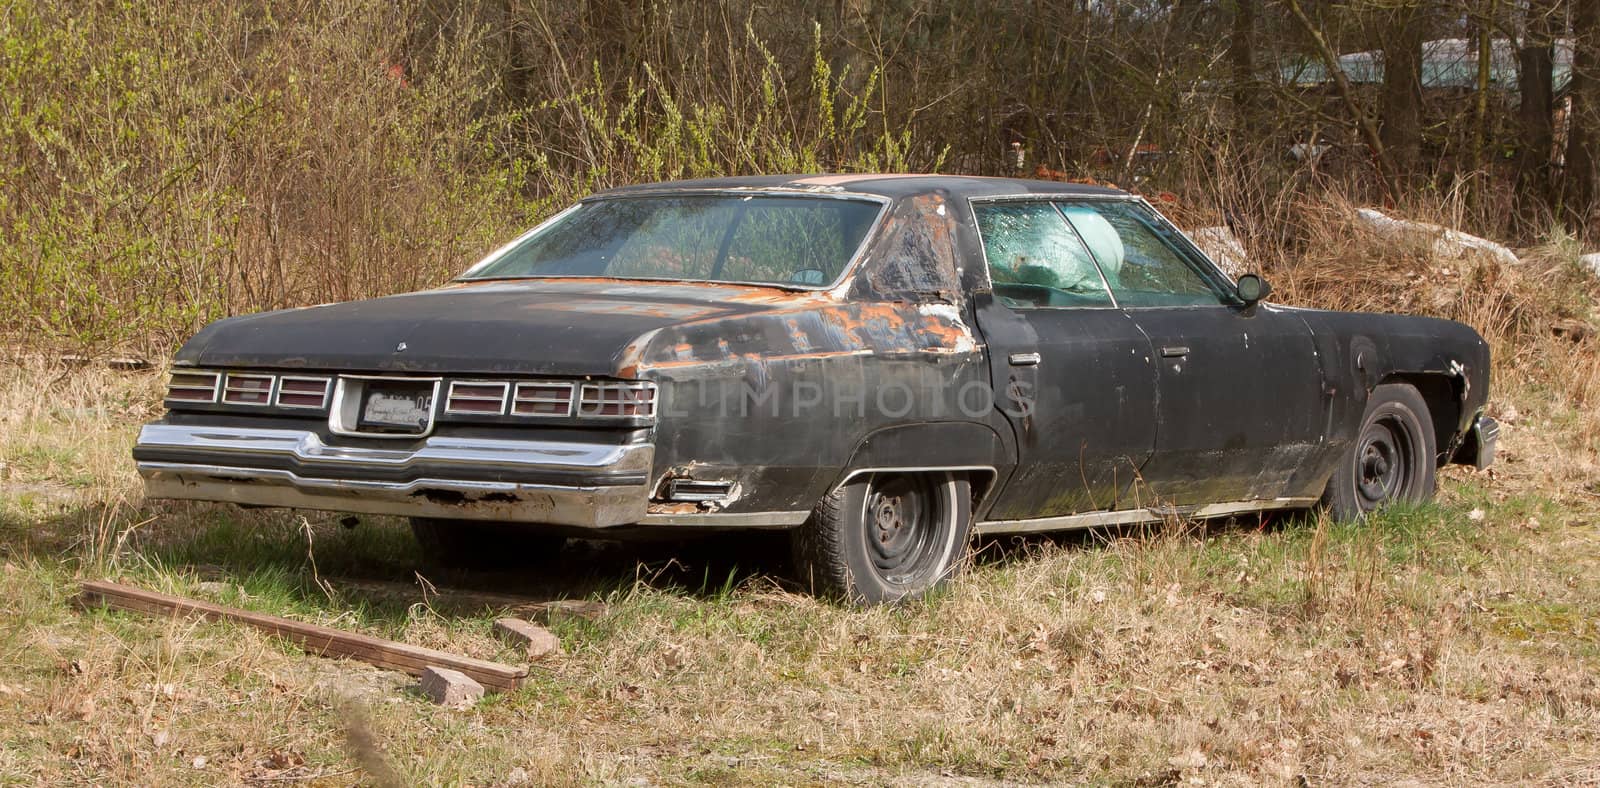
x=881, y=364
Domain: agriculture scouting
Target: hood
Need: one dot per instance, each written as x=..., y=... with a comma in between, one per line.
x=535, y=327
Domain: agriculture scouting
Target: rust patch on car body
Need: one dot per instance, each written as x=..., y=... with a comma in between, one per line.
x=903, y=299
x=840, y=329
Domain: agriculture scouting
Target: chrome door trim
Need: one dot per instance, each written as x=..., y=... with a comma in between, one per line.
x=1137, y=516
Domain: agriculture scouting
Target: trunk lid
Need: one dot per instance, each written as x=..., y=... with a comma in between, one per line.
x=554, y=327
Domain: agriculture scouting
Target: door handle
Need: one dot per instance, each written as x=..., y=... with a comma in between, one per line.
x=1024, y=359
x=1174, y=351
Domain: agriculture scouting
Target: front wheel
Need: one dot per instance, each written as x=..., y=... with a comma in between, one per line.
x=885, y=537
x=1392, y=459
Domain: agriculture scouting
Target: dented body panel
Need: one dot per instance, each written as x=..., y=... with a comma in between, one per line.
x=765, y=398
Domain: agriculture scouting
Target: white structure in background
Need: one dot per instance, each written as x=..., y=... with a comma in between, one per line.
x=1447, y=63
x=1590, y=262
x=1223, y=247
x=1446, y=243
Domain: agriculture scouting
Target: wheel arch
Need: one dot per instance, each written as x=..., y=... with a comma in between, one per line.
x=971, y=449
x=1443, y=394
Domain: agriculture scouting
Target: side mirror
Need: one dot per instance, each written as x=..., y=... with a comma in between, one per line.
x=1252, y=288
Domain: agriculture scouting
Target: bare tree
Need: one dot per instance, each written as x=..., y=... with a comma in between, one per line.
x=1400, y=106
x=1341, y=82
x=1241, y=57
x=1583, y=129
x=1535, y=126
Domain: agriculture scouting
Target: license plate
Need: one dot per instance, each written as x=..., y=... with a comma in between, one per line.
x=397, y=407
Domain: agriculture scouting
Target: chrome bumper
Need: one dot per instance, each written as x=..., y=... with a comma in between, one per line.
x=534, y=481
x=1486, y=434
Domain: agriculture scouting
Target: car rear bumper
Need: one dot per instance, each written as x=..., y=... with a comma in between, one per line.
x=592, y=485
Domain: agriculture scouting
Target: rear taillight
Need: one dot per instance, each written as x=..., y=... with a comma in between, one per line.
x=193, y=386
x=477, y=398
x=247, y=389
x=309, y=393
x=542, y=399
x=617, y=400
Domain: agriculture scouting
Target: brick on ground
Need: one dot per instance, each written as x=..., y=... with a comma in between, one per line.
x=451, y=688
x=535, y=641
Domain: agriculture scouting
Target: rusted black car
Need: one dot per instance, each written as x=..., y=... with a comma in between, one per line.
x=881, y=364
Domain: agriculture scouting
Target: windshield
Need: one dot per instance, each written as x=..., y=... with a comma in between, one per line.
x=793, y=241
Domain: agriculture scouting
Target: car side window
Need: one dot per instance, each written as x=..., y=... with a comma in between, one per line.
x=1142, y=261
x=1035, y=259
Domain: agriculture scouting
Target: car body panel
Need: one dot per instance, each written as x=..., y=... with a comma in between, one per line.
x=1084, y=412
x=1224, y=433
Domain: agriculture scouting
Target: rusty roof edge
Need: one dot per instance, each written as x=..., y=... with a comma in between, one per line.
x=790, y=189
x=890, y=185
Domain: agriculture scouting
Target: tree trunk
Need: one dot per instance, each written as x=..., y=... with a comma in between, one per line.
x=1536, y=129
x=619, y=29
x=1480, y=104
x=1241, y=58
x=1584, y=119
x=1400, y=110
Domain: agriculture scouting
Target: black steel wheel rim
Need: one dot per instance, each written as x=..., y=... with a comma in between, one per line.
x=1386, y=462
x=907, y=528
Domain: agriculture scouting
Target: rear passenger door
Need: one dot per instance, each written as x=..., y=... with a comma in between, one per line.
x=1241, y=408
x=1072, y=373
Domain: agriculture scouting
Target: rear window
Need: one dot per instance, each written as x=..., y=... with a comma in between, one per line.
x=783, y=240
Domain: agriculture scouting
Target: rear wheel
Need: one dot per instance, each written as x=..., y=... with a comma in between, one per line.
x=1392, y=459
x=476, y=544
x=885, y=537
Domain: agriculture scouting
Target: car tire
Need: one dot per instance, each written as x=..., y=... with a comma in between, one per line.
x=1392, y=459
x=885, y=537
x=477, y=544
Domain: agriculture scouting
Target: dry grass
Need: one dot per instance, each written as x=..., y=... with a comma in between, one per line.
x=1429, y=645
x=1453, y=643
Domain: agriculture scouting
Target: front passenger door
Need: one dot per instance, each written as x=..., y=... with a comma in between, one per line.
x=1242, y=407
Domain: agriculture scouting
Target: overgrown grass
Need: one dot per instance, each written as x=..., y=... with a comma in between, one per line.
x=1271, y=653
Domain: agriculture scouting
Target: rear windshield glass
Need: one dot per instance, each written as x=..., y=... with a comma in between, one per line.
x=795, y=241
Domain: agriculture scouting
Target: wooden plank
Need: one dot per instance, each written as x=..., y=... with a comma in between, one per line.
x=465, y=602
x=315, y=639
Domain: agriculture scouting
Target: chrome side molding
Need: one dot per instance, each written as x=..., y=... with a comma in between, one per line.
x=1138, y=516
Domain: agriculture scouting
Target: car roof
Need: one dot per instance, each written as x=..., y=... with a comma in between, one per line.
x=882, y=185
